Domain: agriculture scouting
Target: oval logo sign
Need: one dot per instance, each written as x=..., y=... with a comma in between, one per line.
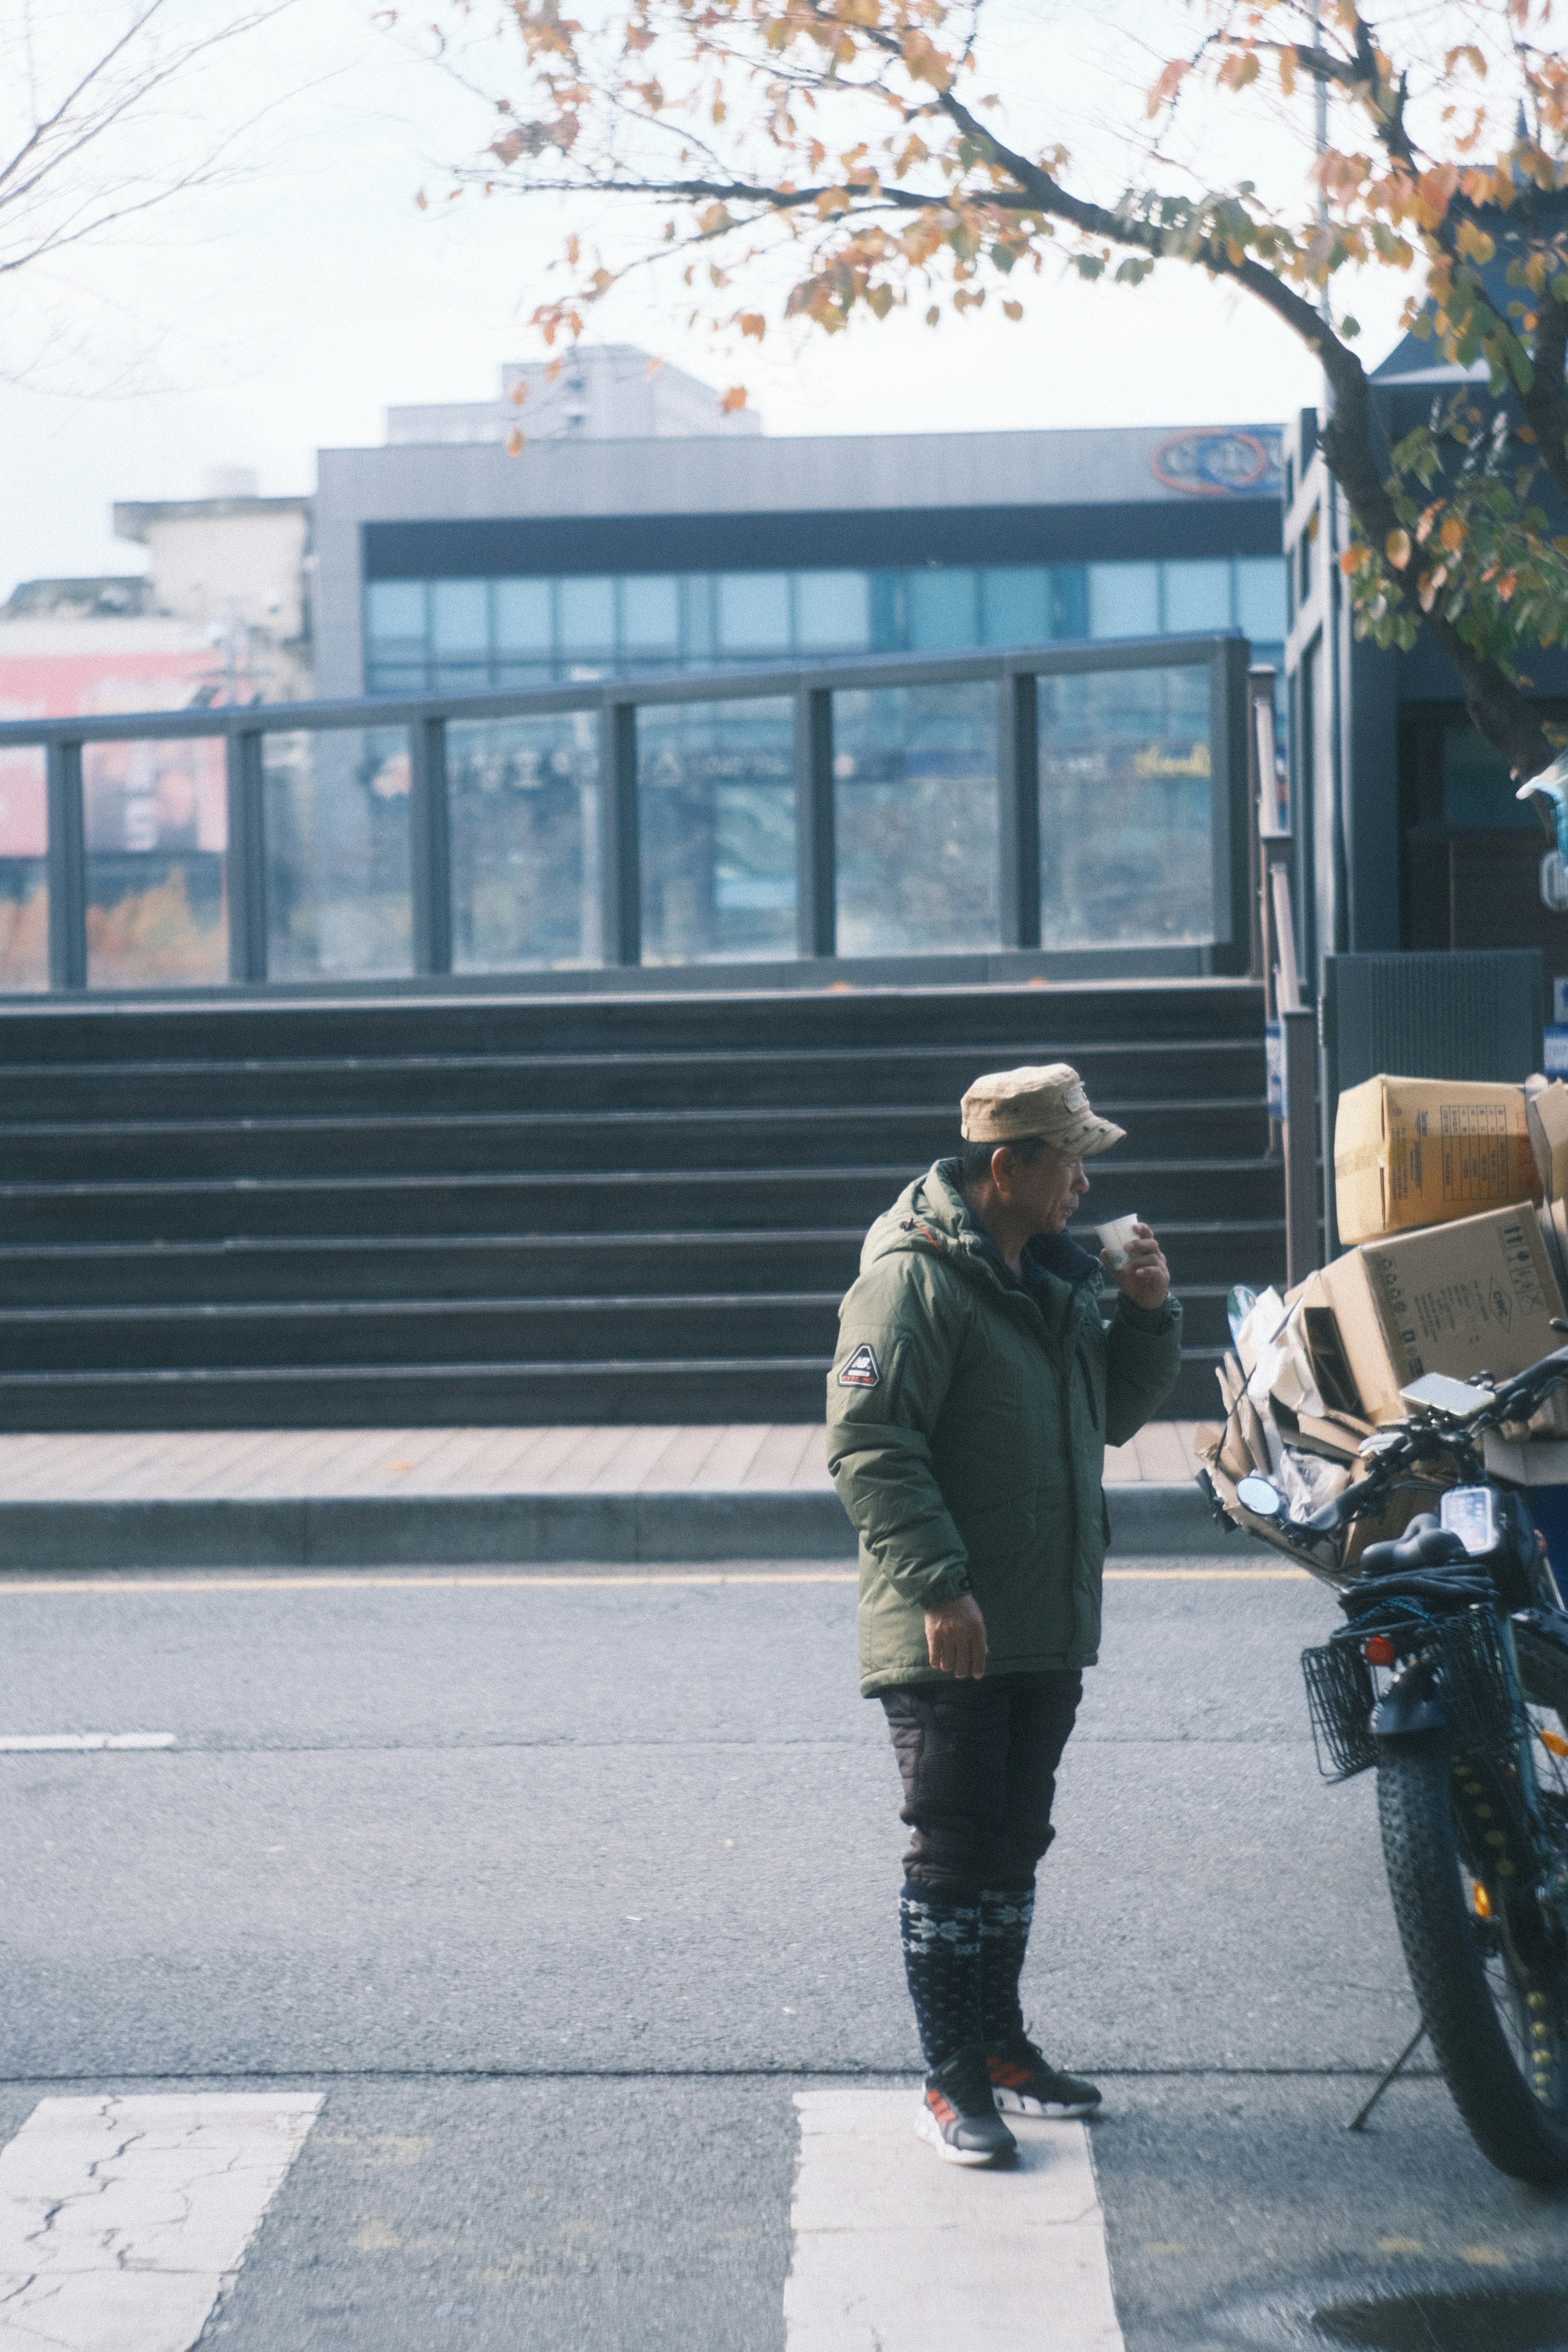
x=1220, y=461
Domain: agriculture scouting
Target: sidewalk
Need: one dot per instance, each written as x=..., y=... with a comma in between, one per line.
x=366, y=1497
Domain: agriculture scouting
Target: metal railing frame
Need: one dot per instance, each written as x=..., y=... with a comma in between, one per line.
x=1273, y=937
x=810, y=690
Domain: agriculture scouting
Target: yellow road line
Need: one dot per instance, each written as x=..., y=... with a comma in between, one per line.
x=285, y=1579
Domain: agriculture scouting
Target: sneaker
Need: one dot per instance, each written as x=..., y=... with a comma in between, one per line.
x=1023, y=2085
x=958, y=2114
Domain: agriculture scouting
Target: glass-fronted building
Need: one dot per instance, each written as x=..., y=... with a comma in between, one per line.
x=447, y=567
x=456, y=636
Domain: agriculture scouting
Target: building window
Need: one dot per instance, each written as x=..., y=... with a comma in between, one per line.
x=587, y=617
x=833, y=612
x=1015, y=605
x=1123, y=599
x=1260, y=582
x=650, y=615
x=942, y=609
x=1197, y=597
x=753, y=613
x=458, y=635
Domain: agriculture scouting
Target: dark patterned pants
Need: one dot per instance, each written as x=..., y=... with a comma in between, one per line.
x=978, y=1762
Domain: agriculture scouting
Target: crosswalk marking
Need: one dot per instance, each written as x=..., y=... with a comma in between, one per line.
x=76, y=1743
x=897, y=2251
x=121, y=2220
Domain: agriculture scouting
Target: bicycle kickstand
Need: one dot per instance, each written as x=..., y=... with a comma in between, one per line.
x=1358, y=2121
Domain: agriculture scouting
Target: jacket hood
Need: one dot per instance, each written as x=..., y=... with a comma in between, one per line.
x=931, y=1214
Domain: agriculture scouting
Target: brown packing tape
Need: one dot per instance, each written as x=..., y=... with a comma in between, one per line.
x=1206, y=1439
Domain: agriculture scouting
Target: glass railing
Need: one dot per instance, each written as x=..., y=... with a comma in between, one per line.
x=1083, y=803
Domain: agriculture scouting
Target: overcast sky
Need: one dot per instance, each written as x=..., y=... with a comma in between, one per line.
x=260, y=323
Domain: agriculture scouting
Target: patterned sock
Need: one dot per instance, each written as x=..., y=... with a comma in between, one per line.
x=942, y=1962
x=1006, y=1915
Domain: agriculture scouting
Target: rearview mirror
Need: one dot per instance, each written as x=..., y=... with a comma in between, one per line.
x=1260, y=1497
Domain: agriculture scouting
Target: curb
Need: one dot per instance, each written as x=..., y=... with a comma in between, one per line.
x=502, y=1530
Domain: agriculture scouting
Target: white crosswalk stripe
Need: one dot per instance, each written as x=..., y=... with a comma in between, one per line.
x=121, y=2219
x=897, y=2251
x=75, y=1743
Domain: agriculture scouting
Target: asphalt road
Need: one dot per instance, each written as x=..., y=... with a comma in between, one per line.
x=560, y=1891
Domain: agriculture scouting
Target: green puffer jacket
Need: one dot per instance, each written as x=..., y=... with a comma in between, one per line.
x=966, y=1435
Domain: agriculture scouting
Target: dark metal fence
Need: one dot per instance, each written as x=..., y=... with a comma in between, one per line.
x=1080, y=801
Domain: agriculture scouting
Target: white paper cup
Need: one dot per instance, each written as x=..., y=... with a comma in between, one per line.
x=1116, y=1238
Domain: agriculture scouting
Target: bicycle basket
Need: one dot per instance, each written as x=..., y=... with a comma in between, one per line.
x=1476, y=1682
x=1340, y=1699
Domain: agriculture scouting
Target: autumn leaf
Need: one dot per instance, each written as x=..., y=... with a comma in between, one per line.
x=1398, y=549
x=514, y=440
x=1170, y=81
x=1012, y=309
x=752, y=322
x=733, y=399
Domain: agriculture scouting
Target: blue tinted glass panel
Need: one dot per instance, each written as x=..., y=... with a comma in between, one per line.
x=1197, y=597
x=915, y=812
x=155, y=817
x=523, y=616
x=24, y=880
x=1126, y=808
x=587, y=616
x=716, y=825
x=460, y=616
x=1069, y=600
x=753, y=612
x=650, y=615
x=525, y=833
x=338, y=893
x=1016, y=605
x=1260, y=597
x=395, y=611
x=833, y=612
x=943, y=609
x=697, y=615
x=395, y=677
x=1123, y=599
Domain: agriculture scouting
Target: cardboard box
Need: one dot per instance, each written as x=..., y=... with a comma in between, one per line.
x=1411, y=1153
x=1476, y=1295
x=1546, y=1115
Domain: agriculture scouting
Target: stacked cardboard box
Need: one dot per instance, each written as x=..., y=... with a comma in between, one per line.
x=1453, y=1268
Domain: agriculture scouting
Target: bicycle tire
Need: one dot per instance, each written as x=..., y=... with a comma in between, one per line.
x=1484, y=1993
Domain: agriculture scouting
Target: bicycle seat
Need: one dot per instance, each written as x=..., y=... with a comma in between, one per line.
x=1426, y=1543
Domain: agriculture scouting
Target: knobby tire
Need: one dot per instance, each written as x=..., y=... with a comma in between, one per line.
x=1419, y=1791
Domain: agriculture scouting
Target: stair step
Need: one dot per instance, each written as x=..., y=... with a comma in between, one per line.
x=775, y=1078
x=424, y=1396
x=620, y=1201
x=556, y=1141
x=342, y=1267
x=1023, y=1020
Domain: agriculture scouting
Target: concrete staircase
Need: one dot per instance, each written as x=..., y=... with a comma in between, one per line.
x=465, y=1210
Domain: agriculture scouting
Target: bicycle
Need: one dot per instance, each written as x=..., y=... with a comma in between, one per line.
x=1450, y=1679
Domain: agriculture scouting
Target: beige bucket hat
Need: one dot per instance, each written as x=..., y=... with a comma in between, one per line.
x=1042, y=1098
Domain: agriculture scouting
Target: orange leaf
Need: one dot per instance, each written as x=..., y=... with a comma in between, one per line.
x=1452, y=533
x=514, y=443
x=734, y=398
x=1170, y=81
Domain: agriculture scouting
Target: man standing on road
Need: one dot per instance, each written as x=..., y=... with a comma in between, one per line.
x=971, y=1400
